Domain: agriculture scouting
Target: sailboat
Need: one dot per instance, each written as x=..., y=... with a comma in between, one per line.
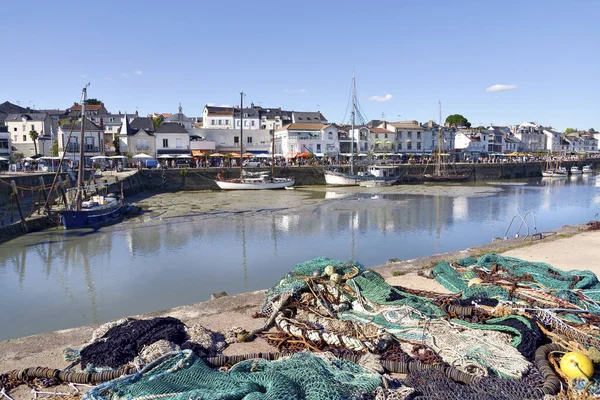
x=86, y=211
x=252, y=182
x=557, y=172
x=441, y=173
x=376, y=175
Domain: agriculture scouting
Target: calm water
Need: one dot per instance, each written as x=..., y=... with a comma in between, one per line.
x=54, y=280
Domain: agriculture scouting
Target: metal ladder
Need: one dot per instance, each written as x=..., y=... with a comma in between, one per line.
x=523, y=222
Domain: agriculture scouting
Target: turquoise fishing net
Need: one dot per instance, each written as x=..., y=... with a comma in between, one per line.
x=537, y=275
x=183, y=376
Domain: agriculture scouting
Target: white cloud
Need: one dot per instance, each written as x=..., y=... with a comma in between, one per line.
x=138, y=72
x=387, y=97
x=500, y=88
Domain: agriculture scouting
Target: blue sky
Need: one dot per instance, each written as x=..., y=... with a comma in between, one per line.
x=151, y=55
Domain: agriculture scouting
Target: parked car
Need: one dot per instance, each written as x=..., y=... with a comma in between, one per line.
x=252, y=164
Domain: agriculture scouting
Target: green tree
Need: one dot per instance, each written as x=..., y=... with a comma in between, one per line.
x=117, y=144
x=157, y=122
x=457, y=120
x=34, y=136
x=54, y=149
x=93, y=102
x=568, y=131
x=592, y=130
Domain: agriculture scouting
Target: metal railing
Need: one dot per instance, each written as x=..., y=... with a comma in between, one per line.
x=523, y=222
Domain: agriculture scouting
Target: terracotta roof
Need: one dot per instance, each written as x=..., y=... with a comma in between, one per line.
x=220, y=110
x=303, y=127
x=380, y=130
x=88, y=107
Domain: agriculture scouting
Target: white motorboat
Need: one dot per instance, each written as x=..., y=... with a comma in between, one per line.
x=587, y=169
x=575, y=170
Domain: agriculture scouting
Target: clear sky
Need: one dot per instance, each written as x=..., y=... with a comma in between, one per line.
x=151, y=55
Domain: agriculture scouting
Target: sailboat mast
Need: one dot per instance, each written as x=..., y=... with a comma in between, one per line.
x=273, y=155
x=439, y=157
x=352, y=130
x=241, y=134
x=80, y=177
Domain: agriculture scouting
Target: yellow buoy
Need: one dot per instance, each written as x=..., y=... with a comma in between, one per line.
x=475, y=281
x=577, y=365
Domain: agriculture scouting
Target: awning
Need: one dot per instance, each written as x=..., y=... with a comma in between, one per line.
x=200, y=153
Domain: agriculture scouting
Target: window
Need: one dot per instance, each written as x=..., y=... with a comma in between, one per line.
x=418, y=145
x=409, y=146
x=238, y=123
x=410, y=135
x=24, y=127
x=318, y=148
x=252, y=122
x=16, y=137
x=178, y=143
x=418, y=135
x=165, y=142
x=249, y=139
x=399, y=135
x=400, y=146
x=226, y=122
x=24, y=138
x=32, y=127
x=245, y=122
x=15, y=129
x=3, y=143
x=330, y=135
x=220, y=122
x=236, y=139
x=212, y=122
x=377, y=136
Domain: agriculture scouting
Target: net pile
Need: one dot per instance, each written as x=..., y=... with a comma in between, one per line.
x=183, y=376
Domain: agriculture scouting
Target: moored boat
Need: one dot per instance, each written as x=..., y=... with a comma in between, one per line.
x=587, y=169
x=575, y=170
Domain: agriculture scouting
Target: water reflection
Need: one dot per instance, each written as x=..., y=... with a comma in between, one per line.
x=58, y=279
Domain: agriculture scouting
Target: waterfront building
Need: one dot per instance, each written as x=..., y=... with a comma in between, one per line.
x=19, y=126
x=5, y=147
x=319, y=139
x=273, y=118
x=214, y=117
x=250, y=116
x=110, y=123
x=172, y=139
x=137, y=137
x=90, y=110
x=310, y=117
x=180, y=118
x=552, y=140
x=469, y=145
x=531, y=136
x=69, y=140
x=512, y=144
x=582, y=142
x=381, y=140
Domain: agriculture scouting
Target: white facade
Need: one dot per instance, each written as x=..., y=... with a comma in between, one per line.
x=217, y=117
x=69, y=141
x=228, y=140
x=172, y=138
x=314, y=138
x=531, y=136
x=19, y=126
x=553, y=140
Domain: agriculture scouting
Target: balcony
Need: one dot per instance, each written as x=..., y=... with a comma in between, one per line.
x=74, y=148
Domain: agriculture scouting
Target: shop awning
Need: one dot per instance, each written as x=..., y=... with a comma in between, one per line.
x=200, y=153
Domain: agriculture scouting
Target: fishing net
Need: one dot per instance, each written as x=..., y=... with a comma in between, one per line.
x=183, y=376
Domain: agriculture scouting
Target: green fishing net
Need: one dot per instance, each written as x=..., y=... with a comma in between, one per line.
x=183, y=376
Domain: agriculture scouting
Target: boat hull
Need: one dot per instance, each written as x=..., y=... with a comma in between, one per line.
x=576, y=171
x=93, y=217
x=258, y=185
x=587, y=169
x=554, y=174
x=446, y=178
x=375, y=183
x=333, y=178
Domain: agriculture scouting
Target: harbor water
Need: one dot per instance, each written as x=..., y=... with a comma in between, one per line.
x=59, y=279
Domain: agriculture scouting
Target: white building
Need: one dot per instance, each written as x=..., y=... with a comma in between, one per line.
x=273, y=118
x=20, y=125
x=531, y=136
x=217, y=117
x=137, y=137
x=469, y=145
x=308, y=137
x=250, y=116
x=582, y=142
x=228, y=140
x=172, y=139
x=70, y=141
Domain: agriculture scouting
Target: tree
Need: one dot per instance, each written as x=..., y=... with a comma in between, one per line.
x=117, y=144
x=592, y=130
x=456, y=120
x=54, y=149
x=568, y=131
x=93, y=102
x=34, y=136
x=156, y=121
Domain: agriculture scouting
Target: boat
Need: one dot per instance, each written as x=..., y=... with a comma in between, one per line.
x=441, y=172
x=253, y=181
x=575, y=170
x=375, y=183
x=334, y=177
x=90, y=211
x=587, y=169
x=557, y=172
